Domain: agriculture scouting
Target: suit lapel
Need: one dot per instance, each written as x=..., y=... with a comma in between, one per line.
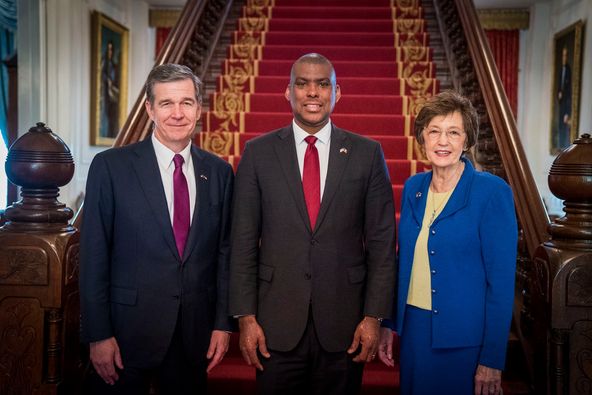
x=285, y=148
x=146, y=168
x=460, y=195
x=418, y=199
x=339, y=152
x=458, y=199
x=202, y=202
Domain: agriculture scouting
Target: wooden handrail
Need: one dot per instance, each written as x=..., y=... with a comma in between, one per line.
x=529, y=205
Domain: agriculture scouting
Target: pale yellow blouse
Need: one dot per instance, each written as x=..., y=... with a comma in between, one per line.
x=420, y=292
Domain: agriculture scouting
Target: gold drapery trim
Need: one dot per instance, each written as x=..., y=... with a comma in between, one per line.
x=163, y=17
x=504, y=18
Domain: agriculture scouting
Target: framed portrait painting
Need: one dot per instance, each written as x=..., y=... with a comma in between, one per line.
x=565, y=104
x=109, y=63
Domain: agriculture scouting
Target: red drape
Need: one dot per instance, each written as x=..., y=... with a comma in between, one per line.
x=505, y=46
x=161, y=35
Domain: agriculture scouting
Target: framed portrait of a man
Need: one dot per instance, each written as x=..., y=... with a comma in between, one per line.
x=109, y=62
x=565, y=103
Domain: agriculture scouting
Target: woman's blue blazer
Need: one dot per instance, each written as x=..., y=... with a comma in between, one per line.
x=472, y=249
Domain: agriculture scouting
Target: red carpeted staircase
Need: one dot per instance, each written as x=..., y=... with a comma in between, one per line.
x=385, y=68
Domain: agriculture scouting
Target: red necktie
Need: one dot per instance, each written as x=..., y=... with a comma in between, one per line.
x=180, y=205
x=311, y=180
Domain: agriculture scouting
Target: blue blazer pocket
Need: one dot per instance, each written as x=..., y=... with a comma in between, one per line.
x=265, y=273
x=124, y=295
x=356, y=274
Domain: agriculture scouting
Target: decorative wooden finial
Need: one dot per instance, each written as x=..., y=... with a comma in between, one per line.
x=570, y=178
x=39, y=162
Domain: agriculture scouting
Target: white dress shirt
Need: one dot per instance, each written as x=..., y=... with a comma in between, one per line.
x=322, y=144
x=164, y=157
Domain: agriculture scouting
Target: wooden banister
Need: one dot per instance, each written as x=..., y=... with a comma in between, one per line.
x=529, y=205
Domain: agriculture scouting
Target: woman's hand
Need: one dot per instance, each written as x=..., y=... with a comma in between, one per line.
x=488, y=381
x=385, y=347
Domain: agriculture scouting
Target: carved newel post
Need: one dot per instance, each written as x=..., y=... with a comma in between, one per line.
x=564, y=276
x=39, y=306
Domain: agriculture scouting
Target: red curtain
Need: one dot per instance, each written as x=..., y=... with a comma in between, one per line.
x=505, y=46
x=161, y=35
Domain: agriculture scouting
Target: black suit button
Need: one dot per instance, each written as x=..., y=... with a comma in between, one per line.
x=176, y=296
x=313, y=242
x=307, y=276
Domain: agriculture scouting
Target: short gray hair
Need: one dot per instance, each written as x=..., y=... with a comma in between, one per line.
x=170, y=72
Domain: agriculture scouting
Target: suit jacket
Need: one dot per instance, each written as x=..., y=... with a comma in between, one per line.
x=344, y=268
x=132, y=280
x=472, y=246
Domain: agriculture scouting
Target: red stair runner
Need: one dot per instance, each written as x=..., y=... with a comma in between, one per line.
x=380, y=52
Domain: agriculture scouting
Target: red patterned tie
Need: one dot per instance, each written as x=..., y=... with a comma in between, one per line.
x=181, y=205
x=311, y=180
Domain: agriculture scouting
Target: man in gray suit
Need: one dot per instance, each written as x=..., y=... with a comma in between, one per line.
x=312, y=247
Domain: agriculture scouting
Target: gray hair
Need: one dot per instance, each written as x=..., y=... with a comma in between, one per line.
x=170, y=72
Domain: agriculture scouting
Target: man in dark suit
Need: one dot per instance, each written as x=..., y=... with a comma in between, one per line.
x=312, y=261
x=155, y=251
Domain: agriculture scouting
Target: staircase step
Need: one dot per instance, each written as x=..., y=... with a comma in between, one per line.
x=378, y=39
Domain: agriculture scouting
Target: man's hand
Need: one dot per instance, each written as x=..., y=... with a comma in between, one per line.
x=104, y=355
x=385, y=347
x=252, y=339
x=366, y=334
x=218, y=347
x=488, y=381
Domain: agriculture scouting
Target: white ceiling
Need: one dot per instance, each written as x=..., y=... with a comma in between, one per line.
x=478, y=3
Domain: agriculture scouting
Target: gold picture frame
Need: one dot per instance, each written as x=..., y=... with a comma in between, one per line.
x=109, y=69
x=565, y=95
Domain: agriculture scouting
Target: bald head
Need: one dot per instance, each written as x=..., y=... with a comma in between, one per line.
x=312, y=58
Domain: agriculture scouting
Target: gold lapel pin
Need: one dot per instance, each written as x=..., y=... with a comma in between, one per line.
x=203, y=176
x=343, y=150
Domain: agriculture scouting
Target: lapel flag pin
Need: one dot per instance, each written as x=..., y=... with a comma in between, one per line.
x=418, y=195
x=203, y=176
x=343, y=150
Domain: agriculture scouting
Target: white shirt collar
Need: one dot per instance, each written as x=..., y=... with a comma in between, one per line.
x=165, y=155
x=324, y=135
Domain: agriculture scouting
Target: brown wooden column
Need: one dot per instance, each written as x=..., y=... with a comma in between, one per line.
x=562, y=285
x=39, y=303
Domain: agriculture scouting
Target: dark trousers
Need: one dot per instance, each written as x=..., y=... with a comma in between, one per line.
x=308, y=369
x=178, y=374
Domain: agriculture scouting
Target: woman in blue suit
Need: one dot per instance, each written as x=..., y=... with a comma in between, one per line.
x=457, y=256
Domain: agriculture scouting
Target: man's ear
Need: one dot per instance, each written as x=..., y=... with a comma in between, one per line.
x=337, y=93
x=287, y=93
x=198, y=113
x=149, y=109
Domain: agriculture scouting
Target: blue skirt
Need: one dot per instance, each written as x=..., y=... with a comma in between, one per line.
x=428, y=371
